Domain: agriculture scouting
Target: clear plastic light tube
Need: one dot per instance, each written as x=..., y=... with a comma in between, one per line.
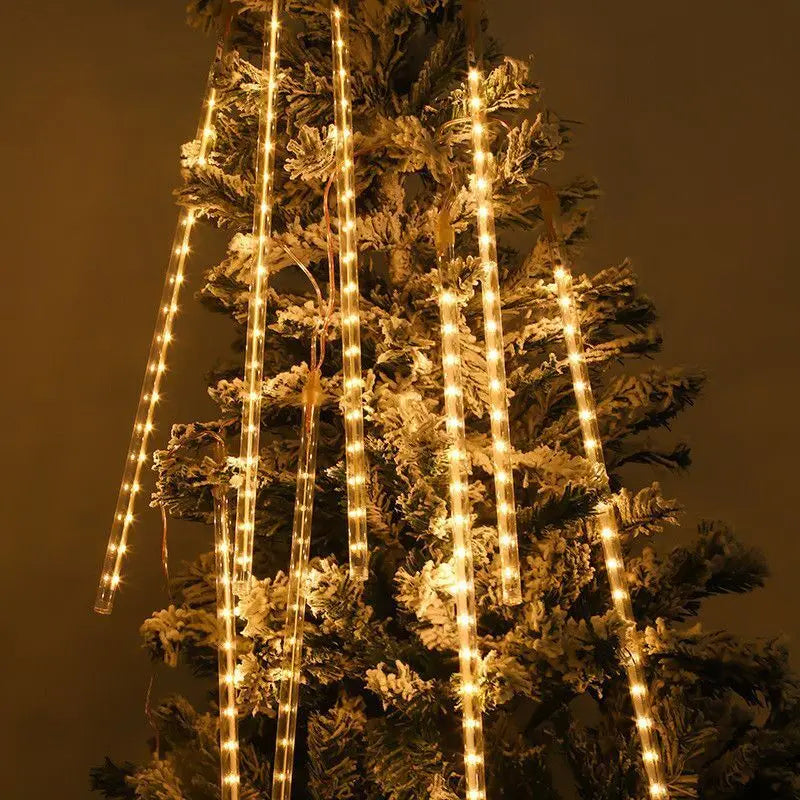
x=461, y=526
x=606, y=519
x=257, y=307
x=351, y=321
x=493, y=336
x=144, y=422
x=226, y=651
x=288, y=695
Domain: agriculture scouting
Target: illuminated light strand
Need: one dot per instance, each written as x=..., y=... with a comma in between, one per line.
x=226, y=651
x=493, y=337
x=257, y=308
x=633, y=660
x=150, y=394
x=355, y=458
x=461, y=526
x=297, y=592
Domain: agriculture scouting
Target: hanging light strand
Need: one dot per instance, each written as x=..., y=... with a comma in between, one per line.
x=297, y=590
x=144, y=422
x=633, y=658
x=257, y=306
x=226, y=651
x=356, y=466
x=461, y=527
x=288, y=695
x=493, y=336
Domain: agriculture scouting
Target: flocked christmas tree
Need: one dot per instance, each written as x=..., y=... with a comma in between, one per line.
x=379, y=704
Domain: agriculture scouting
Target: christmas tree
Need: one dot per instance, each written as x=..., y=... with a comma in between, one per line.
x=380, y=696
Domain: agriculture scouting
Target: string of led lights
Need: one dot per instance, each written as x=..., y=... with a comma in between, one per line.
x=150, y=394
x=297, y=592
x=356, y=466
x=226, y=651
x=234, y=559
x=493, y=336
x=257, y=306
x=461, y=527
x=633, y=659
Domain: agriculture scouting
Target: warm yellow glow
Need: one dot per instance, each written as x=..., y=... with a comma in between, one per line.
x=288, y=696
x=607, y=526
x=460, y=525
x=226, y=652
x=356, y=463
x=144, y=421
x=257, y=309
x=493, y=335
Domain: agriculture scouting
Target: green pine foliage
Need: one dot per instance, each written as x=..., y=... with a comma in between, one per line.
x=379, y=718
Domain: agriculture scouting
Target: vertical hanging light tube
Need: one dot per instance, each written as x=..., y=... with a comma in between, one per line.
x=351, y=321
x=461, y=526
x=289, y=692
x=144, y=422
x=493, y=336
x=257, y=306
x=226, y=651
x=609, y=533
